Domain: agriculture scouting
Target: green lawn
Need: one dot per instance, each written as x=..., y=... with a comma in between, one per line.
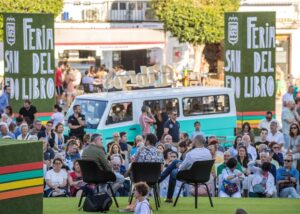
x=186, y=205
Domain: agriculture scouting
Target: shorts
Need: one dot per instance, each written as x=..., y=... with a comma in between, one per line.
x=59, y=90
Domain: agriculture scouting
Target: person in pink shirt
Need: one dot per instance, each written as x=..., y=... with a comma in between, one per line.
x=146, y=120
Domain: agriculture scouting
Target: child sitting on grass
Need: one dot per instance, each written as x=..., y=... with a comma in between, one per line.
x=142, y=206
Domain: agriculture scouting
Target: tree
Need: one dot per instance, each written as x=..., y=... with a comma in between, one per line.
x=29, y=6
x=197, y=22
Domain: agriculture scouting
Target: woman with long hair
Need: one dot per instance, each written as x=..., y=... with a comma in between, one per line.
x=246, y=129
x=234, y=149
x=294, y=135
x=243, y=158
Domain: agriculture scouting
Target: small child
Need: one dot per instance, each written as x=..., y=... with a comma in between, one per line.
x=142, y=206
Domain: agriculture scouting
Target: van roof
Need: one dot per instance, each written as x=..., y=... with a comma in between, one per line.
x=159, y=92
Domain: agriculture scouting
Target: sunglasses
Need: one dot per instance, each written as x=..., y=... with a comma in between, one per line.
x=288, y=161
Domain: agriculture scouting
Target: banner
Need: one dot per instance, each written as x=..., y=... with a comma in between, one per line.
x=29, y=59
x=250, y=42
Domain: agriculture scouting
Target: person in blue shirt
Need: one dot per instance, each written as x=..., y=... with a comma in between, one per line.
x=88, y=80
x=4, y=98
x=172, y=127
x=288, y=179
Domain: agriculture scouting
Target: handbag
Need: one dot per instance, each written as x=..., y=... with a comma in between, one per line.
x=97, y=203
x=230, y=188
x=261, y=187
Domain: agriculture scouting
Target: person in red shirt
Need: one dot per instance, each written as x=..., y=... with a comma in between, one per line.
x=59, y=84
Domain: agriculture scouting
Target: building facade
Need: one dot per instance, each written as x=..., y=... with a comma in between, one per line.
x=123, y=32
x=287, y=33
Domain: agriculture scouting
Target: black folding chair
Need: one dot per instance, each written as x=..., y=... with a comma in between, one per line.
x=92, y=174
x=197, y=175
x=149, y=173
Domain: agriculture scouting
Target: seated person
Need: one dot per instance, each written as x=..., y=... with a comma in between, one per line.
x=230, y=180
x=56, y=180
x=288, y=179
x=76, y=183
x=277, y=154
x=222, y=166
x=263, y=184
x=72, y=153
x=199, y=153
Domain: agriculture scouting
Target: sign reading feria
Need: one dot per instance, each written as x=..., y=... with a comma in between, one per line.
x=29, y=59
x=250, y=42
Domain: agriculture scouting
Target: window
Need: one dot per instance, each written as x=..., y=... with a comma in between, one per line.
x=165, y=105
x=140, y=5
x=215, y=104
x=92, y=110
x=122, y=6
x=132, y=6
x=119, y=113
x=115, y=6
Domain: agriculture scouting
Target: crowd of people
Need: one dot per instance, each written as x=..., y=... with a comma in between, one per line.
x=254, y=166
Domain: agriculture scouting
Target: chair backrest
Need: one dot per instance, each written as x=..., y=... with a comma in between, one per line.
x=92, y=174
x=146, y=172
x=200, y=171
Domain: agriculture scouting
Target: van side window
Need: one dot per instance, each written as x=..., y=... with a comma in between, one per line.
x=163, y=105
x=216, y=104
x=119, y=112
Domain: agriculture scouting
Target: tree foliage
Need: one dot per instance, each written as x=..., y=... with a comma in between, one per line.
x=194, y=21
x=29, y=6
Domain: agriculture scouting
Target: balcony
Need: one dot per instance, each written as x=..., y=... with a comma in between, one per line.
x=107, y=11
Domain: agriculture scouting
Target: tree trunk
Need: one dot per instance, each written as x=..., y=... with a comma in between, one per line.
x=198, y=51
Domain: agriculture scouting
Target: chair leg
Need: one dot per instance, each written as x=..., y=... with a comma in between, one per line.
x=81, y=197
x=130, y=191
x=181, y=187
x=196, y=196
x=113, y=195
x=158, y=194
x=131, y=198
x=209, y=196
x=155, y=195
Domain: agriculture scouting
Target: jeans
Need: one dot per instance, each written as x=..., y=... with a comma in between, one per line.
x=289, y=192
x=171, y=170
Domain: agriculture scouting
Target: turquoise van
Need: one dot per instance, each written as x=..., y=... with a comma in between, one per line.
x=111, y=112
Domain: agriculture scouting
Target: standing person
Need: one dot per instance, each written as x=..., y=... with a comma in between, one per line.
x=57, y=116
x=265, y=123
x=70, y=79
x=287, y=179
x=197, y=131
x=95, y=151
x=172, y=127
x=288, y=118
x=28, y=112
x=76, y=123
x=288, y=96
x=59, y=84
x=88, y=81
x=160, y=119
x=4, y=98
x=8, y=115
x=146, y=119
x=141, y=191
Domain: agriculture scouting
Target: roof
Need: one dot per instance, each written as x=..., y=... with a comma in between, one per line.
x=160, y=92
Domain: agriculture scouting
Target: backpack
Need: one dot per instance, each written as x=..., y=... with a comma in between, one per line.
x=97, y=203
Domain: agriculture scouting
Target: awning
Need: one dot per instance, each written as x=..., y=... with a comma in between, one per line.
x=108, y=39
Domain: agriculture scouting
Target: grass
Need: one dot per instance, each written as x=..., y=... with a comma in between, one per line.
x=186, y=206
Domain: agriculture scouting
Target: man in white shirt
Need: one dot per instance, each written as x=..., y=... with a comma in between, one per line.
x=265, y=123
x=274, y=135
x=288, y=96
x=197, y=131
x=199, y=153
x=250, y=149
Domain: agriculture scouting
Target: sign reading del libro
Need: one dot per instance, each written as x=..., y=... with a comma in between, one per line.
x=29, y=59
x=250, y=41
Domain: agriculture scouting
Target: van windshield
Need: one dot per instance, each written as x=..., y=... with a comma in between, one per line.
x=92, y=109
